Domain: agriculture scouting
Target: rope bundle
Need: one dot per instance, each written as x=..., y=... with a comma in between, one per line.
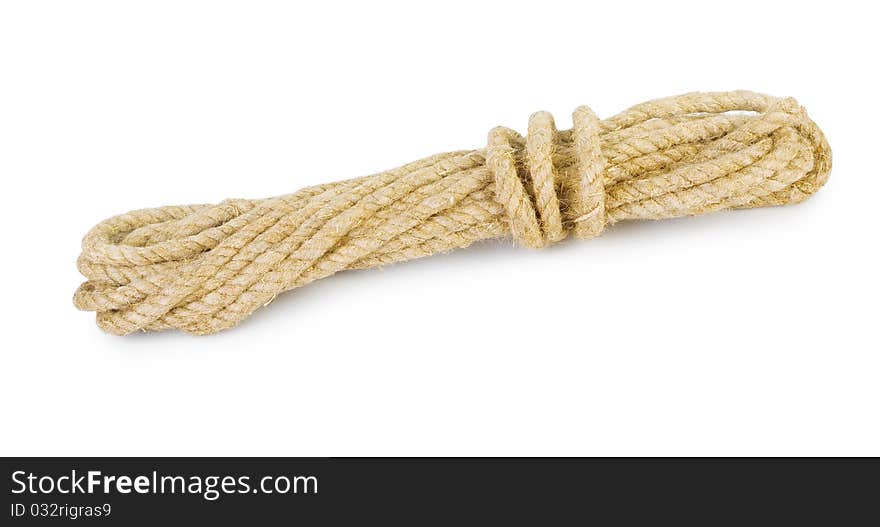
x=204, y=268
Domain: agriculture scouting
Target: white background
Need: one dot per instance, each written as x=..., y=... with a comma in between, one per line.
x=740, y=333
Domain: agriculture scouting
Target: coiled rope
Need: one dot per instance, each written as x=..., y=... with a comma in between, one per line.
x=204, y=268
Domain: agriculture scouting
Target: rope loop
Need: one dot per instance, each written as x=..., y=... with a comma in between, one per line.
x=543, y=201
x=205, y=268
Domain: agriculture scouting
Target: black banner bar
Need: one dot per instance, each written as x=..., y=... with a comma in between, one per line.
x=318, y=491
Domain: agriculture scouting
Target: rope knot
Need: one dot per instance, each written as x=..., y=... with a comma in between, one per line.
x=550, y=183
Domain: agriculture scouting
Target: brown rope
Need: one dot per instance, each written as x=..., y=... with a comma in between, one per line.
x=204, y=268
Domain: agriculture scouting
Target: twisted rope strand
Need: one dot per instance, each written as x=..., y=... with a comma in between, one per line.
x=204, y=268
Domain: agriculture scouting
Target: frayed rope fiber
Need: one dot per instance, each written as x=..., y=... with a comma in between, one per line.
x=205, y=268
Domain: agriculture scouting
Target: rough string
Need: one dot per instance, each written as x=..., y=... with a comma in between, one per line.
x=205, y=268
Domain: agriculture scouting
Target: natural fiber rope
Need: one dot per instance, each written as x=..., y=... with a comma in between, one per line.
x=204, y=268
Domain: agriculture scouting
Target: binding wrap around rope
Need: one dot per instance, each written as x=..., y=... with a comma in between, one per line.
x=204, y=268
